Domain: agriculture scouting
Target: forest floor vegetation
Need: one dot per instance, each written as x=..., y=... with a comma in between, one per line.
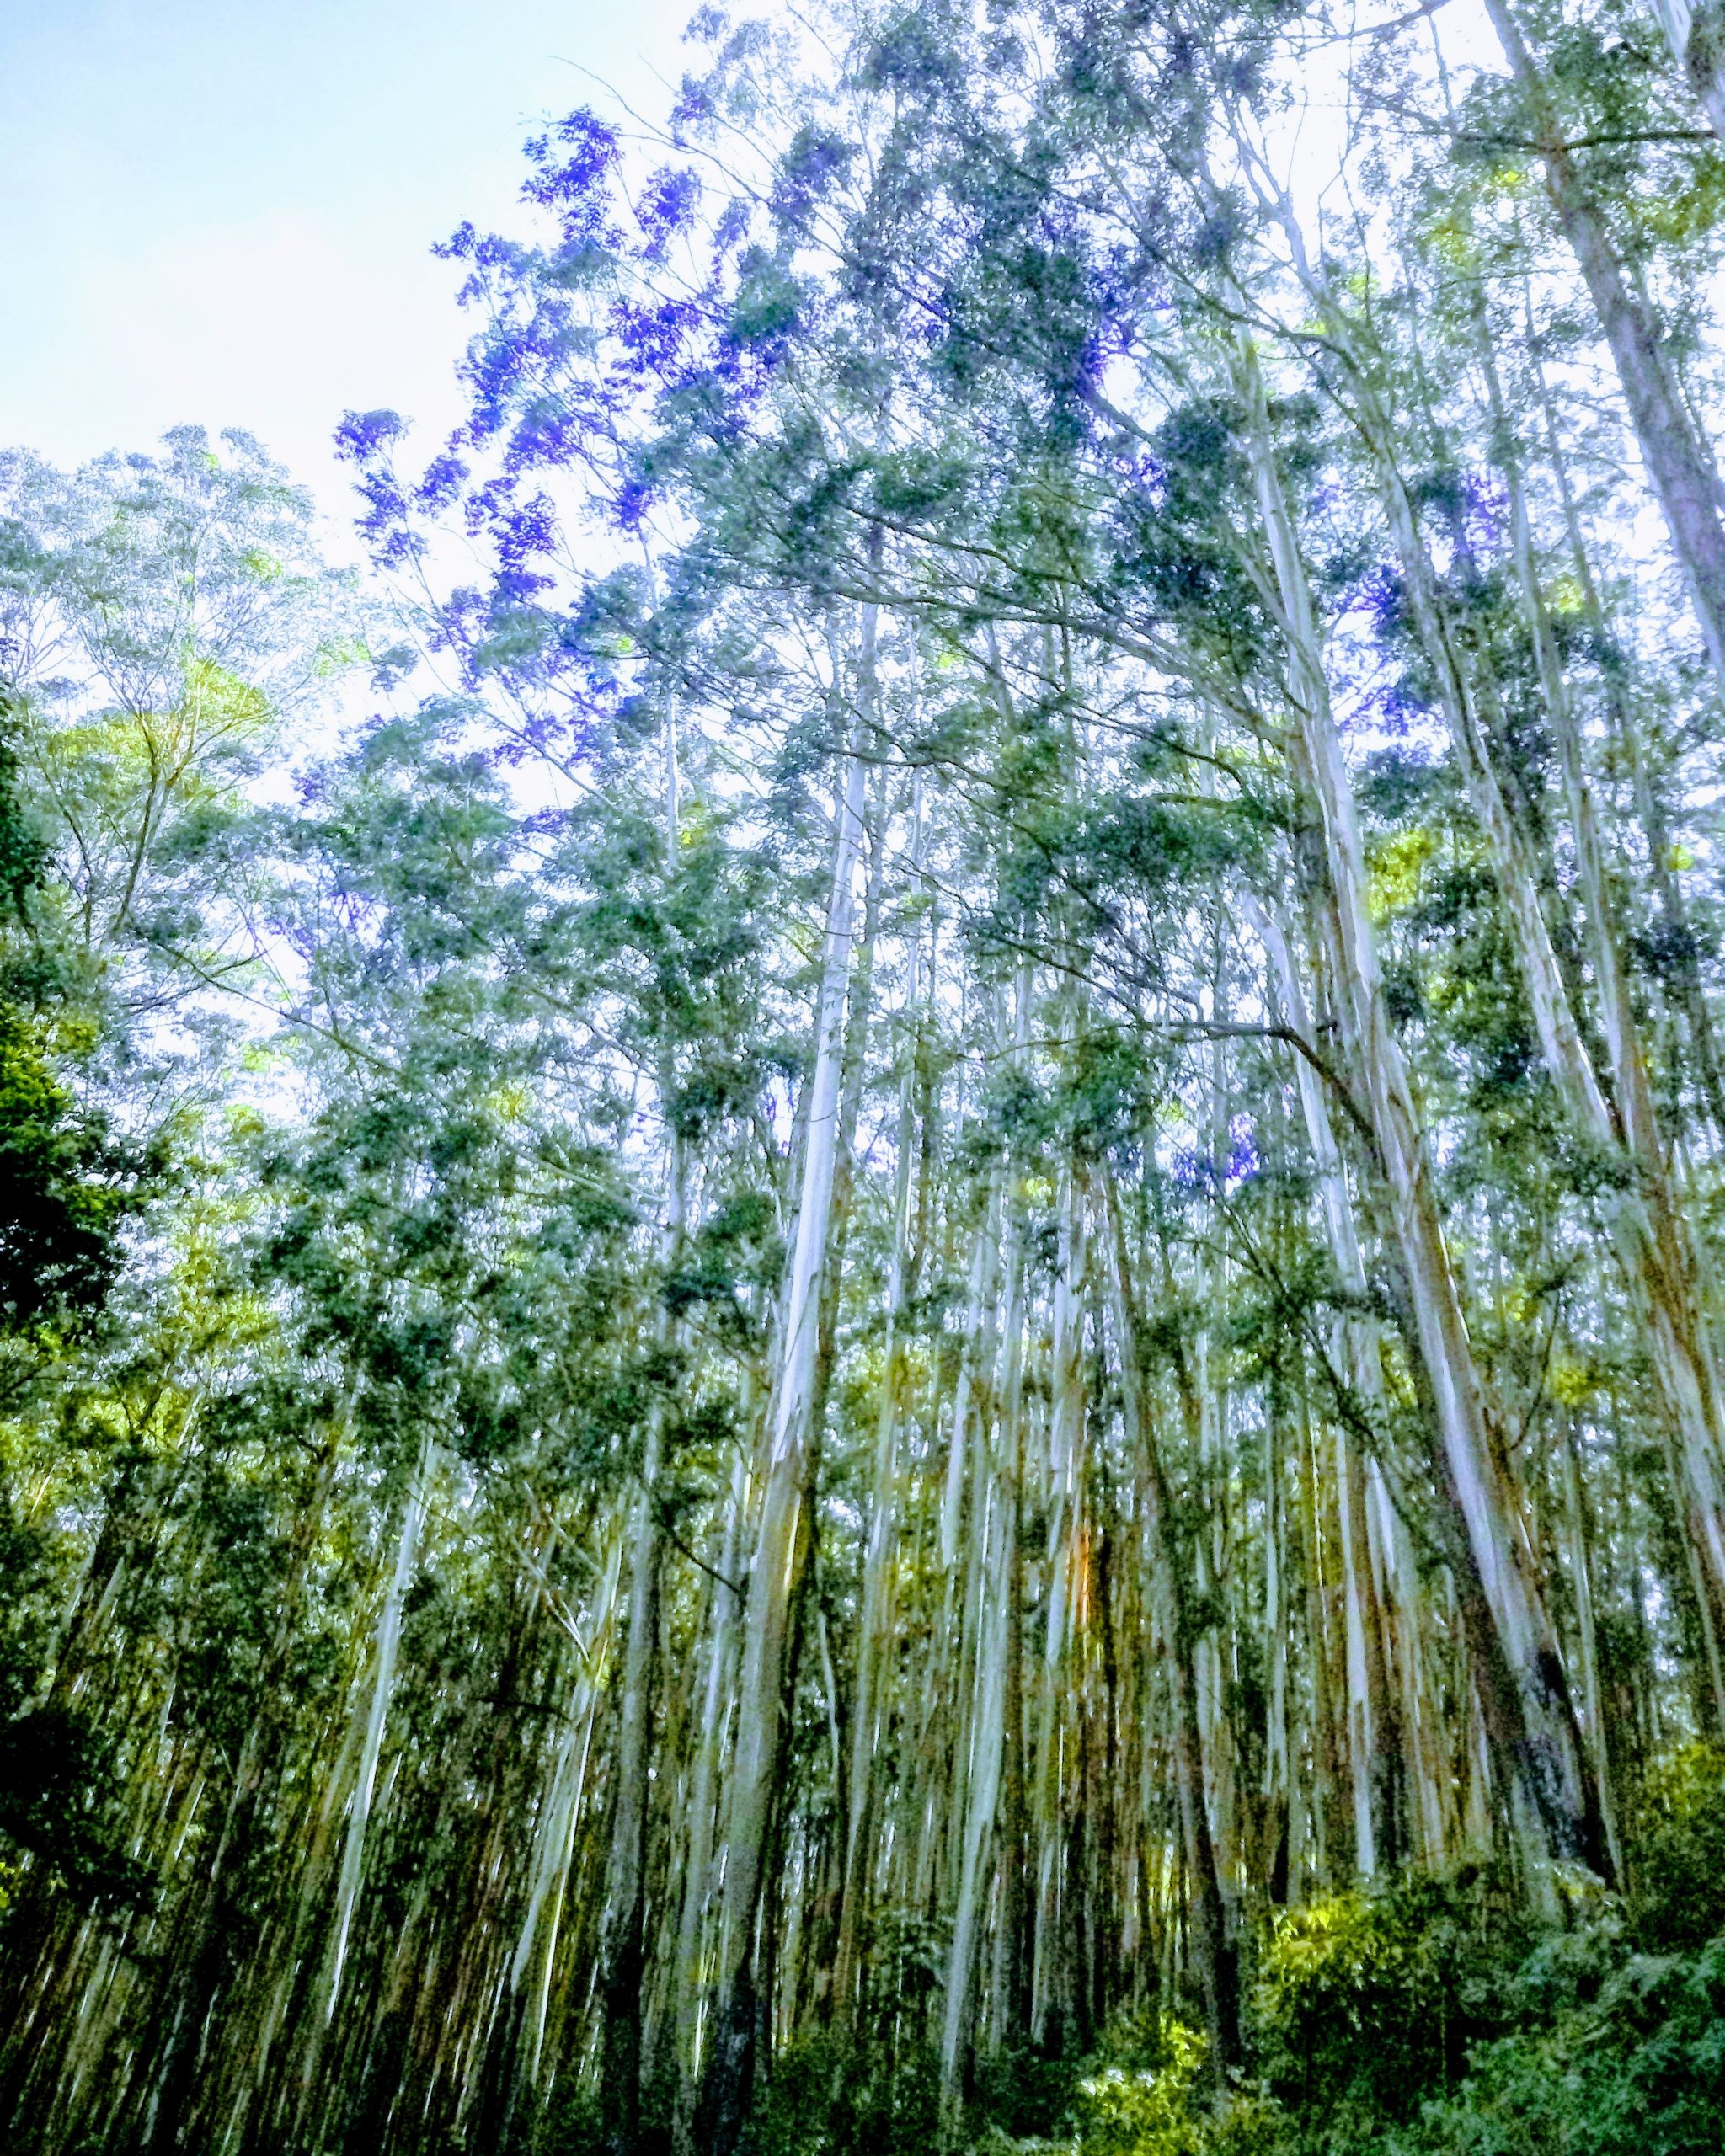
x=1427, y=2016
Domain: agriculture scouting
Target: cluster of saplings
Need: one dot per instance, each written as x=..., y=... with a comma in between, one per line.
x=862, y=1275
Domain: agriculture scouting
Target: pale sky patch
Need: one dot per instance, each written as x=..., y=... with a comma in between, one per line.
x=219, y=213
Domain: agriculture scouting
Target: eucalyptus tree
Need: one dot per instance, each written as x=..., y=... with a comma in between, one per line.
x=1120, y=86
x=1567, y=102
x=168, y=621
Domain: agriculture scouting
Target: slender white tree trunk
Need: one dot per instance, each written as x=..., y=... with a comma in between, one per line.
x=1696, y=36
x=383, y=1660
x=759, y=1748
x=873, y=1639
x=1550, y=1767
x=1679, y=462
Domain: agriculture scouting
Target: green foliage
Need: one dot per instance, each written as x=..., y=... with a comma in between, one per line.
x=1678, y=1851
x=57, y=1801
x=938, y=441
x=161, y=618
x=1369, y=2000
x=1023, y=2092
x=829, y=2098
x=1637, y=2069
x=1428, y=2020
x=63, y=1190
x=1143, y=2097
x=569, y=2123
x=1149, y=2112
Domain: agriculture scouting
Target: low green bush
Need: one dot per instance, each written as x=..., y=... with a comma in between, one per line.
x=1367, y=2003
x=1637, y=2071
x=1022, y=2093
x=1677, y=1852
x=1163, y=2105
x=828, y=2097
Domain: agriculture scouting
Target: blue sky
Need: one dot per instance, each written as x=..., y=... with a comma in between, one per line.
x=222, y=210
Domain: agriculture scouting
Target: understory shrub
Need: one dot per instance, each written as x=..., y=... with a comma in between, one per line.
x=1367, y=2003
x=1429, y=2016
x=1638, y=2070
x=1022, y=2093
x=1677, y=1852
x=1160, y=2104
x=827, y=2097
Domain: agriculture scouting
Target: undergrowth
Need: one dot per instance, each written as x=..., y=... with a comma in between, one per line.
x=1427, y=2017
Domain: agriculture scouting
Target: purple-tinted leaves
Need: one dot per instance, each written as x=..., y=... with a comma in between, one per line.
x=1484, y=508
x=393, y=543
x=630, y=504
x=526, y=528
x=362, y=435
x=731, y=229
x=1401, y=706
x=463, y=618
x=575, y=171
x=1470, y=507
x=1086, y=359
x=666, y=208
x=1383, y=596
x=442, y=485
x=1189, y=1170
x=484, y=250
x=494, y=263
x=516, y=368
x=519, y=530
x=657, y=338
x=550, y=435
x=696, y=101
x=1194, y=1170
x=1242, y=1152
x=365, y=439
x=580, y=365
x=816, y=159
x=496, y=363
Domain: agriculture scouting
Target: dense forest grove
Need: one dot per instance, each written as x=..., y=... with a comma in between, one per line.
x=863, y=1272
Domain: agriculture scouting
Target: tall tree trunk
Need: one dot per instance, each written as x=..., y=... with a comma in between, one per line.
x=383, y=1658
x=1649, y=809
x=727, y=2082
x=1378, y=1835
x=1648, y=1231
x=622, y=1943
x=701, y=1810
x=1067, y=1426
x=874, y=1640
x=204, y=1952
x=1679, y=461
x=623, y=1939
x=994, y=1754
x=1696, y=35
x=1212, y=1949
x=1551, y=1768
